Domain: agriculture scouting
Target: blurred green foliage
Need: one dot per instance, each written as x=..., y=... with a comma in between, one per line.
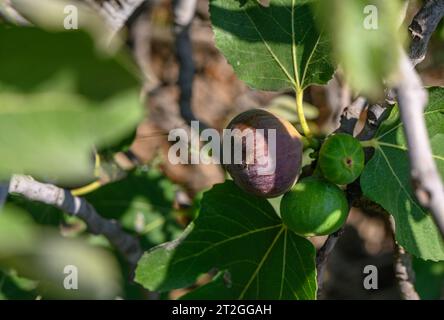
x=62, y=95
x=35, y=252
x=60, y=101
x=366, y=38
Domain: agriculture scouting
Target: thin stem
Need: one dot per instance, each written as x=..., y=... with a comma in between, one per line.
x=93, y=186
x=322, y=257
x=369, y=143
x=301, y=115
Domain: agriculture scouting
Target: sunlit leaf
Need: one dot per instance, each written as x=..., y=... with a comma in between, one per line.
x=274, y=47
x=386, y=180
x=243, y=235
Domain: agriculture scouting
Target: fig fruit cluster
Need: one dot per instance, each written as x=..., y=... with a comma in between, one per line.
x=314, y=206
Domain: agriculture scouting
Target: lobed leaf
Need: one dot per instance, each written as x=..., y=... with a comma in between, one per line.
x=274, y=47
x=243, y=235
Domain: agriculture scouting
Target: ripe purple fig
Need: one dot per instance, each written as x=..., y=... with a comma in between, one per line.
x=262, y=153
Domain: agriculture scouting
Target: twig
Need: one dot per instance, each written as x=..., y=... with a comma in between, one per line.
x=338, y=96
x=404, y=273
x=412, y=99
x=322, y=257
x=422, y=28
x=52, y=195
x=350, y=116
x=376, y=114
x=184, y=11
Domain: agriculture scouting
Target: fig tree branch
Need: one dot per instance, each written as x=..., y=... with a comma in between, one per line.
x=350, y=116
x=404, y=273
x=427, y=182
x=422, y=28
x=62, y=199
x=184, y=11
x=322, y=257
x=376, y=114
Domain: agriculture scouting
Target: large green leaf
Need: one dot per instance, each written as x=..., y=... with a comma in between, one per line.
x=217, y=289
x=386, y=180
x=59, y=98
x=243, y=235
x=275, y=47
x=365, y=36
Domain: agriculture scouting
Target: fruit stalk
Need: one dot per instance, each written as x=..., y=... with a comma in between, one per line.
x=301, y=115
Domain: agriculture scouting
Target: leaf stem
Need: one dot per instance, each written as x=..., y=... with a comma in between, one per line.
x=369, y=143
x=86, y=189
x=301, y=115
